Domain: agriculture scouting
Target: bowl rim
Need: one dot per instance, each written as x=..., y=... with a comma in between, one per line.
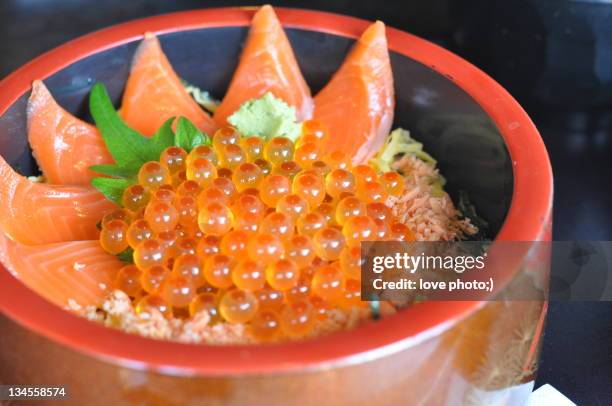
x=528, y=217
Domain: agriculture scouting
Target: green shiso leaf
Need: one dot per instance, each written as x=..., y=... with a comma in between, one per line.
x=111, y=188
x=162, y=139
x=129, y=148
x=188, y=136
x=126, y=255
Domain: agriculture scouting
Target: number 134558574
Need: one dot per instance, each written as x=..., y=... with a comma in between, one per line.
x=15, y=392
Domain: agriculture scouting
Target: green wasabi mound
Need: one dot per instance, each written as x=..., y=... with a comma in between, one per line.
x=266, y=117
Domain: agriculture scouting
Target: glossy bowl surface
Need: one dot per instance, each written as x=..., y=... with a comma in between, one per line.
x=485, y=143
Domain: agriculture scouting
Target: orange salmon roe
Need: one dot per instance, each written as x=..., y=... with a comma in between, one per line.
x=173, y=158
x=266, y=325
x=205, y=302
x=135, y=197
x=202, y=151
x=152, y=278
x=113, y=236
x=238, y=306
x=153, y=302
x=259, y=232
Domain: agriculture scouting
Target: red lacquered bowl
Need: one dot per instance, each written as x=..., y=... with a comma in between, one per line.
x=433, y=352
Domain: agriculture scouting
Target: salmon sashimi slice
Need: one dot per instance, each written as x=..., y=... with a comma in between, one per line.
x=357, y=104
x=79, y=271
x=64, y=146
x=154, y=93
x=39, y=213
x=267, y=64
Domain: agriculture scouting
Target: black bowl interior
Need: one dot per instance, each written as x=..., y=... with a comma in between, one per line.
x=453, y=127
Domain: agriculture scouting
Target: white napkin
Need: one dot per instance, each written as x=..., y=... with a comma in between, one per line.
x=546, y=395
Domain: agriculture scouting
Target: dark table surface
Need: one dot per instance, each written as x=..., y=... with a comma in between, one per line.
x=554, y=56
